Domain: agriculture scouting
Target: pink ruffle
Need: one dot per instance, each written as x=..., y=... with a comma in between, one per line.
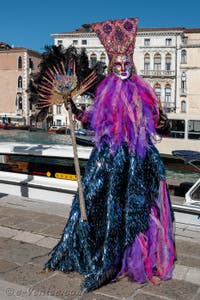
x=152, y=252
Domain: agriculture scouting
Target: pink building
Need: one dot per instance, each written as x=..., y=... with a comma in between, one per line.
x=17, y=64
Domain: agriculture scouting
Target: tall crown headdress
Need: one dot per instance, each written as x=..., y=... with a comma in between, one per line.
x=118, y=36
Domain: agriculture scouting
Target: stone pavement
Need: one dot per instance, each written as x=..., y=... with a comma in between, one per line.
x=30, y=228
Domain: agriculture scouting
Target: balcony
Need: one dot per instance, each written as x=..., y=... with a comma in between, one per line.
x=183, y=92
x=19, y=90
x=157, y=73
x=169, y=106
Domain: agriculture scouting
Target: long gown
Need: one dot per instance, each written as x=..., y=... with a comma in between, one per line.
x=130, y=220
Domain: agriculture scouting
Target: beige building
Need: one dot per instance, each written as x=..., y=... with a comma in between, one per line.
x=168, y=58
x=17, y=64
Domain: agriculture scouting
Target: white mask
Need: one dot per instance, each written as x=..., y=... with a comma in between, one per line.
x=122, y=66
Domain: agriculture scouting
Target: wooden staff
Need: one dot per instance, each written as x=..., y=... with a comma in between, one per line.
x=76, y=160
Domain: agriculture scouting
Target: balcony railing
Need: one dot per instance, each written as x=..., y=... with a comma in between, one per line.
x=169, y=106
x=19, y=90
x=157, y=73
x=183, y=92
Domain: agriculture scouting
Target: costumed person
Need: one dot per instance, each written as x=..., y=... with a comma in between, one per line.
x=130, y=220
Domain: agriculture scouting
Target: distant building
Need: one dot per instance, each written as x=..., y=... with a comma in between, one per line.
x=168, y=58
x=17, y=64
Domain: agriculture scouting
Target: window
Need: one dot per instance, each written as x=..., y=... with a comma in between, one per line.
x=58, y=109
x=183, y=57
x=58, y=122
x=168, y=93
x=183, y=106
x=168, y=42
x=157, y=62
x=147, y=62
x=157, y=89
x=18, y=103
x=93, y=60
x=19, y=62
x=84, y=42
x=60, y=42
x=194, y=129
x=75, y=42
x=183, y=82
x=146, y=42
x=19, y=82
x=177, y=128
x=185, y=40
x=30, y=63
x=103, y=57
x=168, y=62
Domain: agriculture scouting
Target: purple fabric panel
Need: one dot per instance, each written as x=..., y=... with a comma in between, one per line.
x=156, y=245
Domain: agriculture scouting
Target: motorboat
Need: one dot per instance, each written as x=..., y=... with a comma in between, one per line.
x=47, y=172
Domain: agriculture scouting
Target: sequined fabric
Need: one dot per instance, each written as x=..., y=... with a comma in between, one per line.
x=120, y=192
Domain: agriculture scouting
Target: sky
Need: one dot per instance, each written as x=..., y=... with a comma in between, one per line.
x=30, y=24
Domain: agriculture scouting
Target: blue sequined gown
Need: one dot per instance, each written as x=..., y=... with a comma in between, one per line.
x=119, y=192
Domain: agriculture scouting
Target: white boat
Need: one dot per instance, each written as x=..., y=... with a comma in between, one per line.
x=46, y=172
x=184, y=135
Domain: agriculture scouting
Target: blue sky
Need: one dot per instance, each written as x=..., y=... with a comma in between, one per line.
x=31, y=23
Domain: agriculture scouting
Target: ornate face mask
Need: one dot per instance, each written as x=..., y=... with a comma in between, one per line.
x=122, y=66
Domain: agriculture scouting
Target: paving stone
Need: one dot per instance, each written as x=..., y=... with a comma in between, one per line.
x=19, y=252
x=197, y=296
x=48, y=242
x=28, y=237
x=94, y=296
x=188, y=248
x=14, y=221
x=188, y=260
x=146, y=297
x=121, y=288
x=53, y=231
x=41, y=259
x=179, y=272
x=26, y=275
x=32, y=226
x=64, y=286
x=8, y=232
x=51, y=219
x=6, y=266
x=12, y=291
x=193, y=275
x=173, y=289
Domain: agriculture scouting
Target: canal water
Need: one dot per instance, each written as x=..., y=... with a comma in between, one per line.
x=42, y=137
x=34, y=137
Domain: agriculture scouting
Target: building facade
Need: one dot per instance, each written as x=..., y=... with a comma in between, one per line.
x=17, y=64
x=168, y=58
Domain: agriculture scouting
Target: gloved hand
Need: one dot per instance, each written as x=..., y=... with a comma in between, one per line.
x=74, y=108
x=68, y=101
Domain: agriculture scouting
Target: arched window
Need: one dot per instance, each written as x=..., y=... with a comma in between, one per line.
x=168, y=92
x=19, y=102
x=168, y=59
x=157, y=61
x=183, y=56
x=93, y=60
x=147, y=62
x=183, y=82
x=19, y=62
x=20, y=82
x=103, y=57
x=183, y=106
x=157, y=88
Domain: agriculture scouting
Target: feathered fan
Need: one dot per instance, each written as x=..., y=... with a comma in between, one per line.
x=58, y=84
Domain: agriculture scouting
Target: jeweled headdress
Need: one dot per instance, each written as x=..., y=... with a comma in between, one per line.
x=118, y=37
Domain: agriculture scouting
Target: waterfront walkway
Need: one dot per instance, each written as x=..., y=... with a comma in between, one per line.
x=30, y=228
